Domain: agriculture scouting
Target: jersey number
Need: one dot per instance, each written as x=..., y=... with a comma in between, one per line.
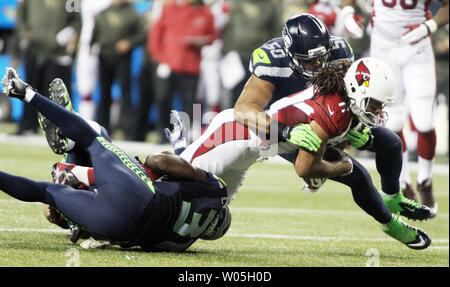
x=276, y=50
x=406, y=4
x=338, y=44
x=192, y=229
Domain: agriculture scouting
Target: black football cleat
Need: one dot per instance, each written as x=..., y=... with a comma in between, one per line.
x=57, y=93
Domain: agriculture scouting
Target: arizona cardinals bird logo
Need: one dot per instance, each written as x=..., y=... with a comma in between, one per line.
x=362, y=74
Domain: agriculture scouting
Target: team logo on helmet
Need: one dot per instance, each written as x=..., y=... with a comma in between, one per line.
x=287, y=38
x=362, y=74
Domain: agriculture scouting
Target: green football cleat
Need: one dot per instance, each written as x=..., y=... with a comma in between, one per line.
x=407, y=207
x=412, y=237
x=57, y=93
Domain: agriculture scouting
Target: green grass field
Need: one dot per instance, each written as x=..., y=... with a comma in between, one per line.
x=275, y=223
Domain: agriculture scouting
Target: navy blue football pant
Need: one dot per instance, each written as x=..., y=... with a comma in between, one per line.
x=387, y=147
x=121, y=193
x=126, y=206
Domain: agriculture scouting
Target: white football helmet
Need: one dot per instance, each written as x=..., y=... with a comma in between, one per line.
x=366, y=79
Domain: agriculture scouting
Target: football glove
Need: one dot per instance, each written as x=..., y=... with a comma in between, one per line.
x=352, y=22
x=303, y=136
x=361, y=140
x=178, y=136
x=419, y=32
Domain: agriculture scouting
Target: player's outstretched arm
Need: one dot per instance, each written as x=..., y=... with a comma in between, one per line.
x=309, y=164
x=174, y=166
x=352, y=22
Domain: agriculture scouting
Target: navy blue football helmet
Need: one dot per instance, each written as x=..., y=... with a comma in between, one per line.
x=341, y=52
x=307, y=43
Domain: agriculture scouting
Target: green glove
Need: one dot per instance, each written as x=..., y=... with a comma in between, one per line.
x=361, y=140
x=303, y=136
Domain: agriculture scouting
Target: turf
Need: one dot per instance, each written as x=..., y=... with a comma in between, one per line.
x=275, y=223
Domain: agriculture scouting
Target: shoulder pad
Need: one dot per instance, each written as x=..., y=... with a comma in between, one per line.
x=270, y=60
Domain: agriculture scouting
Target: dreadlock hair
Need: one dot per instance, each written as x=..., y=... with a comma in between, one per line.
x=330, y=80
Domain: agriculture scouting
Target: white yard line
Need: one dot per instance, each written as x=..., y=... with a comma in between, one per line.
x=38, y=230
x=317, y=238
x=252, y=209
x=250, y=235
x=304, y=210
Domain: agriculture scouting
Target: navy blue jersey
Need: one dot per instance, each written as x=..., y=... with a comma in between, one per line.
x=179, y=213
x=340, y=50
x=271, y=63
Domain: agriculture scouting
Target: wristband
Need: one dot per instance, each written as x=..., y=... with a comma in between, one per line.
x=282, y=130
x=431, y=26
x=368, y=144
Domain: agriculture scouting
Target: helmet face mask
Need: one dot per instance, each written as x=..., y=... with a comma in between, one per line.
x=309, y=67
x=307, y=43
x=370, y=85
x=373, y=118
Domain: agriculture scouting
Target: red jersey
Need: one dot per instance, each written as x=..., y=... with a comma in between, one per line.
x=329, y=111
x=168, y=40
x=325, y=12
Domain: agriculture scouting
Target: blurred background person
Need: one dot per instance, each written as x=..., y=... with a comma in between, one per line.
x=146, y=77
x=405, y=44
x=441, y=48
x=117, y=31
x=87, y=59
x=48, y=34
x=330, y=13
x=210, y=88
x=13, y=49
x=175, y=43
x=251, y=23
x=294, y=7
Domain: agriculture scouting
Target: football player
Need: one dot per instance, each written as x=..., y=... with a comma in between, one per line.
x=400, y=36
x=371, y=87
x=229, y=148
x=283, y=66
x=126, y=207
